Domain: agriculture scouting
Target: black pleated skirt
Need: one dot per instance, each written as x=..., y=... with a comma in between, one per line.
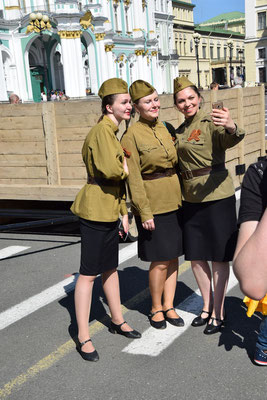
x=99, y=246
x=210, y=230
x=165, y=242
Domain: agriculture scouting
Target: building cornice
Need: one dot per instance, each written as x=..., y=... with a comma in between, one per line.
x=183, y=3
x=164, y=16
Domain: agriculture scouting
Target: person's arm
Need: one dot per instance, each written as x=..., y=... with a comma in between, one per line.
x=250, y=259
x=135, y=182
x=108, y=156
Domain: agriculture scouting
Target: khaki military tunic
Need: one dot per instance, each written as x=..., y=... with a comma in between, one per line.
x=202, y=144
x=103, y=157
x=152, y=150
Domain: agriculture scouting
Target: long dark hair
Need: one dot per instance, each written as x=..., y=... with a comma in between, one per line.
x=107, y=100
x=196, y=90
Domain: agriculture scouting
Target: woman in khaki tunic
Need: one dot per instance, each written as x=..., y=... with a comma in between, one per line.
x=156, y=196
x=98, y=205
x=209, y=212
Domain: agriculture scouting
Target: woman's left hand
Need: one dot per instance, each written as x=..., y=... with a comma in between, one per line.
x=125, y=223
x=222, y=118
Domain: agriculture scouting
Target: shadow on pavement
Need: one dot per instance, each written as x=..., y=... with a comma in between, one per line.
x=239, y=330
x=134, y=295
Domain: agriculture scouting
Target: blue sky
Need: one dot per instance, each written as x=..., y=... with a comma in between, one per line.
x=206, y=9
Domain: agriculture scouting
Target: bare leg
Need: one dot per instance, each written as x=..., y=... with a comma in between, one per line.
x=82, y=298
x=111, y=286
x=220, y=272
x=157, y=278
x=170, y=287
x=202, y=274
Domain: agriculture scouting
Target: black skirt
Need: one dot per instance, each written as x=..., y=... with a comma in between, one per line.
x=165, y=242
x=210, y=230
x=99, y=246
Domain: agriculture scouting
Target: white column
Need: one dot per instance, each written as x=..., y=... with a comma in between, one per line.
x=109, y=61
x=103, y=67
x=155, y=69
x=3, y=92
x=137, y=19
x=73, y=71
x=12, y=9
x=22, y=73
x=92, y=68
x=80, y=72
x=139, y=57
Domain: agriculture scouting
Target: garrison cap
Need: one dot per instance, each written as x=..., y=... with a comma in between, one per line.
x=140, y=89
x=113, y=86
x=181, y=83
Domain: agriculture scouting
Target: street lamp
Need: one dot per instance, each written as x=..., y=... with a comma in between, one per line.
x=241, y=52
x=39, y=23
x=230, y=44
x=196, y=37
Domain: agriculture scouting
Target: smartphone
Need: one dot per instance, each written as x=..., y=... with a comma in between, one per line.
x=218, y=105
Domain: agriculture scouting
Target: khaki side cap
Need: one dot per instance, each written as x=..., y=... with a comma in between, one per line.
x=113, y=86
x=139, y=89
x=181, y=83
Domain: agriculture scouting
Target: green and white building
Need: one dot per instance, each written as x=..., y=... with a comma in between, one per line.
x=89, y=41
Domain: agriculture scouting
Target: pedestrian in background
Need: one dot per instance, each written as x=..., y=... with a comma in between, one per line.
x=98, y=205
x=250, y=260
x=14, y=99
x=214, y=86
x=209, y=212
x=156, y=197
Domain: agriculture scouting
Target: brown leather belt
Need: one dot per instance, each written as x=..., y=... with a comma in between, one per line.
x=102, y=181
x=189, y=174
x=157, y=175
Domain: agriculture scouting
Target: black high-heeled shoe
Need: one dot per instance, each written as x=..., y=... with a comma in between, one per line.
x=117, y=329
x=211, y=328
x=173, y=321
x=199, y=321
x=93, y=356
x=157, y=324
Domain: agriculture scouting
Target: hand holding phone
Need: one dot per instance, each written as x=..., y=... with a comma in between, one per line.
x=218, y=105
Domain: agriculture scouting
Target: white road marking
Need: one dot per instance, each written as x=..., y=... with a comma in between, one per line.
x=154, y=341
x=11, y=250
x=237, y=194
x=51, y=294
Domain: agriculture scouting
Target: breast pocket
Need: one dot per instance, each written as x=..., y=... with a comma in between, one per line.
x=195, y=142
x=147, y=149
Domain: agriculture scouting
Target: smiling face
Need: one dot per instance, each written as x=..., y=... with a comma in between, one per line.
x=148, y=106
x=187, y=101
x=120, y=109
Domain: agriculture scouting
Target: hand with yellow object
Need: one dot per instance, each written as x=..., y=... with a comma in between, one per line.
x=255, y=305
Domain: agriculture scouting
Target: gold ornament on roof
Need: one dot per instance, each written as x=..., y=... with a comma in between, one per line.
x=86, y=21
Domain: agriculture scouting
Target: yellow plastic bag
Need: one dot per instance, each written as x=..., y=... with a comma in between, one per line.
x=255, y=305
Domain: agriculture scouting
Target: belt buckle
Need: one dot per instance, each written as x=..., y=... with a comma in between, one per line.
x=168, y=172
x=188, y=174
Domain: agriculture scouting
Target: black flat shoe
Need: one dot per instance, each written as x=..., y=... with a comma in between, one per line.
x=173, y=321
x=93, y=356
x=117, y=329
x=157, y=324
x=211, y=328
x=199, y=321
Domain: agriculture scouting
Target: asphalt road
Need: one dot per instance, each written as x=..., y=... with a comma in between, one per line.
x=37, y=322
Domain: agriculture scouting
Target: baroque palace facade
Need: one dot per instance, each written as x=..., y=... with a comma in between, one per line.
x=84, y=43
x=256, y=40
